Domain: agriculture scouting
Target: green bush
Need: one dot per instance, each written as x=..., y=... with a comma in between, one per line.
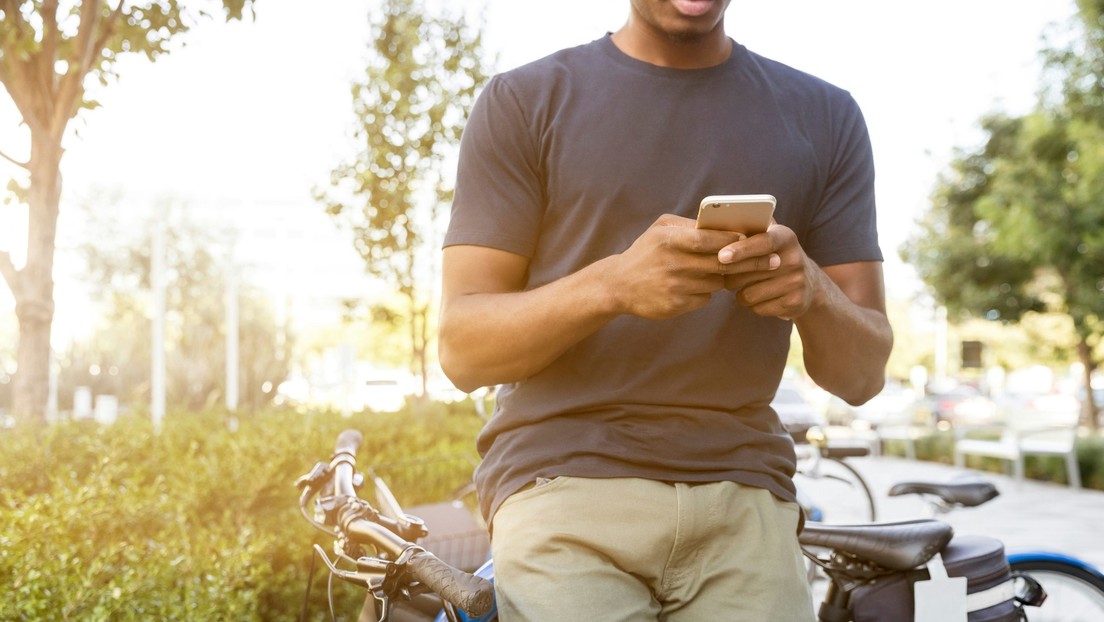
x=199, y=522
x=1090, y=457
x=939, y=447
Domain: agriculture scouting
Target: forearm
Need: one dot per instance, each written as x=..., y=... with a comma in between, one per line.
x=501, y=337
x=494, y=330
x=846, y=345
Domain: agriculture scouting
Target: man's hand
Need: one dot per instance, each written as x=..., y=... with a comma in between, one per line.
x=771, y=274
x=671, y=269
x=839, y=310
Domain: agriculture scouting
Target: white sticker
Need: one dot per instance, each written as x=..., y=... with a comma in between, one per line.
x=940, y=599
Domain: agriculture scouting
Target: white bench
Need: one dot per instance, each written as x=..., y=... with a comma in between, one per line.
x=1043, y=434
x=906, y=425
x=893, y=415
x=906, y=432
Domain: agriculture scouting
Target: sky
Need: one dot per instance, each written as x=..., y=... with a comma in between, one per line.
x=259, y=112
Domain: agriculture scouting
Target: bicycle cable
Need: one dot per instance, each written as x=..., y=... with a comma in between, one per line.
x=330, y=590
x=310, y=580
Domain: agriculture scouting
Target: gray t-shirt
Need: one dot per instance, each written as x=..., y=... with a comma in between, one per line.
x=569, y=159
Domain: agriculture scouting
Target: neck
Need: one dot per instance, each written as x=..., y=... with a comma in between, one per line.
x=678, y=51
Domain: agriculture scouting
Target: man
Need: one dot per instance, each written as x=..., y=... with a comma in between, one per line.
x=634, y=469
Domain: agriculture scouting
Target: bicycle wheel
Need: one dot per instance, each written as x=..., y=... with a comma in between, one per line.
x=832, y=491
x=1074, y=594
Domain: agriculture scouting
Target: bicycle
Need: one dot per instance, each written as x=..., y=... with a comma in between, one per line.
x=829, y=489
x=875, y=571
x=405, y=581
x=1074, y=588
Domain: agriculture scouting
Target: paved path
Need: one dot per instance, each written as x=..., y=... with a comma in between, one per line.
x=1034, y=515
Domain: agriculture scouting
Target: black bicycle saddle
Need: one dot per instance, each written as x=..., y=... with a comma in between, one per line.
x=968, y=493
x=893, y=546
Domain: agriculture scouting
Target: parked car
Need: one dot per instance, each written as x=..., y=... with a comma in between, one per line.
x=962, y=405
x=1042, y=408
x=797, y=413
x=895, y=404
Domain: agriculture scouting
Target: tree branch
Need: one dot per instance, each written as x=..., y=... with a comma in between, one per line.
x=69, y=88
x=47, y=57
x=16, y=74
x=11, y=12
x=92, y=36
x=105, y=32
x=26, y=165
x=10, y=274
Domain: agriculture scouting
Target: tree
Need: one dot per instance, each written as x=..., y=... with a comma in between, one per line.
x=118, y=351
x=422, y=77
x=9, y=333
x=953, y=246
x=1015, y=226
x=50, y=50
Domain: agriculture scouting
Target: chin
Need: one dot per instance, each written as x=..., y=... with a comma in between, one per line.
x=687, y=35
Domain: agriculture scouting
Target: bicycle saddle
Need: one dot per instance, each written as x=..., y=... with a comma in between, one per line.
x=893, y=546
x=966, y=493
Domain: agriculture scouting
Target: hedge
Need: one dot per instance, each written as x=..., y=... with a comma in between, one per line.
x=199, y=522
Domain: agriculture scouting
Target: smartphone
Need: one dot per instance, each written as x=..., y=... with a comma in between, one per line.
x=746, y=213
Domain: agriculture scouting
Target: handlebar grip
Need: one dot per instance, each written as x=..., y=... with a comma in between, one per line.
x=473, y=594
x=348, y=442
x=844, y=451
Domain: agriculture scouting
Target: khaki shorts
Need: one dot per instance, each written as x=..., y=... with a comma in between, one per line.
x=630, y=549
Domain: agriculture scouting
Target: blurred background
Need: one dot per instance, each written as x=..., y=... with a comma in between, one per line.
x=227, y=189
x=220, y=238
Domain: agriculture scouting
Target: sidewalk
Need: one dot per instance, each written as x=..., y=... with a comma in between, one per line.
x=1032, y=516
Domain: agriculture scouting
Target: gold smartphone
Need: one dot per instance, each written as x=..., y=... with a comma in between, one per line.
x=746, y=213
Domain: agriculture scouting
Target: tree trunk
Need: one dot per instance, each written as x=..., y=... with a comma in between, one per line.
x=423, y=349
x=418, y=337
x=34, y=286
x=1089, y=406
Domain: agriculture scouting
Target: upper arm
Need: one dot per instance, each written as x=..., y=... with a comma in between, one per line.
x=469, y=269
x=861, y=281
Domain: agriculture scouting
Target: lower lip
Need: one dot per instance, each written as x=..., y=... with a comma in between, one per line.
x=693, y=8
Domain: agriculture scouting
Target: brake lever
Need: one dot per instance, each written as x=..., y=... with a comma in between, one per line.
x=388, y=504
x=314, y=480
x=350, y=576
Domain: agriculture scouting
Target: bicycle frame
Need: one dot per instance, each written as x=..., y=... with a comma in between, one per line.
x=824, y=469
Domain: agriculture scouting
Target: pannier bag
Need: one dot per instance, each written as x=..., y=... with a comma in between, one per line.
x=989, y=588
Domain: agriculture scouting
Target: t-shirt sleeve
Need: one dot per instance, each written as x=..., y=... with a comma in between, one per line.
x=499, y=191
x=844, y=228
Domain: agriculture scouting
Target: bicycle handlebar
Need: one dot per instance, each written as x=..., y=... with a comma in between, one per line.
x=344, y=462
x=469, y=592
x=348, y=442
